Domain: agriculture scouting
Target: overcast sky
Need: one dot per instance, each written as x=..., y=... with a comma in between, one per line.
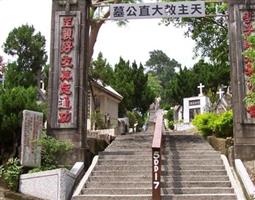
x=132, y=42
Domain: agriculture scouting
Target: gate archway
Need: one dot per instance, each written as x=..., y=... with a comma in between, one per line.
x=69, y=52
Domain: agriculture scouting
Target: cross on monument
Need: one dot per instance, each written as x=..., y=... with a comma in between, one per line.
x=220, y=93
x=201, y=86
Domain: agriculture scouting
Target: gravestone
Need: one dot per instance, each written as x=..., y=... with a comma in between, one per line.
x=68, y=75
x=32, y=125
x=195, y=105
x=241, y=25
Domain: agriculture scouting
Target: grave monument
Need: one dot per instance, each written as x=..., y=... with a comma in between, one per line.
x=195, y=105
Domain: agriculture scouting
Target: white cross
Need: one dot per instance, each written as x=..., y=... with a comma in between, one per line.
x=201, y=86
x=220, y=93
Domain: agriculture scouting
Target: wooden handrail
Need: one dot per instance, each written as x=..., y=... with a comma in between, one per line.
x=156, y=156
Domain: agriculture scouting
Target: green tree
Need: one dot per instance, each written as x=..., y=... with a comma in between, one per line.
x=124, y=84
x=12, y=103
x=211, y=37
x=29, y=49
x=162, y=66
x=212, y=76
x=210, y=33
x=132, y=83
x=2, y=68
x=154, y=84
x=102, y=70
x=184, y=84
x=143, y=96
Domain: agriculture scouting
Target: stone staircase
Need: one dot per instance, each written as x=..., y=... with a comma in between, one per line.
x=191, y=170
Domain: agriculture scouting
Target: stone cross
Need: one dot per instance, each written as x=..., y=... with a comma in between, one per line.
x=220, y=93
x=201, y=86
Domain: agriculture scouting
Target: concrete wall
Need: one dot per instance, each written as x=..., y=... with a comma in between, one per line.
x=51, y=185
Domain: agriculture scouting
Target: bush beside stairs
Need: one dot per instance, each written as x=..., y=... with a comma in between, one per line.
x=191, y=170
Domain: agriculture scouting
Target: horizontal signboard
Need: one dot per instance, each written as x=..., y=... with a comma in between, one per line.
x=157, y=10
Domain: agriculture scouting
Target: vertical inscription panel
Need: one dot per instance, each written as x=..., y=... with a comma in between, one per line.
x=32, y=125
x=66, y=62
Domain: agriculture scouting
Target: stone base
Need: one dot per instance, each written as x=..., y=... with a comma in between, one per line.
x=244, y=152
x=79, y=155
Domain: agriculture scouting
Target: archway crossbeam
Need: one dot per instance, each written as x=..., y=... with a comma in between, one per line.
x=165, y=10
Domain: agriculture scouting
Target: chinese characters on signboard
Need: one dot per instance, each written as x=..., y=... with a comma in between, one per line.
x=194, y=102
x=68, y=36
x=157, y=10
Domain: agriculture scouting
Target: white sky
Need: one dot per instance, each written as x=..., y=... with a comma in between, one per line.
x=133, y=42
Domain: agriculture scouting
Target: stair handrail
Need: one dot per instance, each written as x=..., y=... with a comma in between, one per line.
x=156, y=155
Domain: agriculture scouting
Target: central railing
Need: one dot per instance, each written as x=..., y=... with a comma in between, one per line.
x=156, y=156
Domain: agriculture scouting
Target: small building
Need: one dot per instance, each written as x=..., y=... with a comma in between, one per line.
x=195, y=105
x=103, y=106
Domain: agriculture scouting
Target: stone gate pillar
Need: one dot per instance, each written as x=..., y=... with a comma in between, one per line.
x=241, y=25
x=67, y=91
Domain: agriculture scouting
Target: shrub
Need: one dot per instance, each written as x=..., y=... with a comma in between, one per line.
x=51, y=151
x=204, y=123
x=171, y=125
x=140, y=120
x=10, y=173
x=170, y=115
x=223, y=125
x=132, y=119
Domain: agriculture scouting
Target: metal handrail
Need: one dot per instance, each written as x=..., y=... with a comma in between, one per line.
x=156, y=156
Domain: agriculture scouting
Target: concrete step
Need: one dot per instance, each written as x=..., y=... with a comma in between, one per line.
x=164, y=197
x=168, y=162
x=112, y=197
x=169, y=172
x=148, y=177
x=166, y=167
x=169, y=156
x=175, y=184
x=142, y=191
x=181, y=153
x=207, y=196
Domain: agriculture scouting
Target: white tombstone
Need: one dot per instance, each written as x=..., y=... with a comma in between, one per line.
x=193, y=106
x=32, y=125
